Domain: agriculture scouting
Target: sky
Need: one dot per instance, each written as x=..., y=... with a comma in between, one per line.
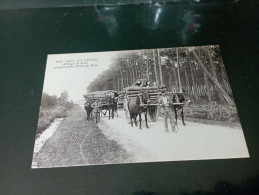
x=73, y=72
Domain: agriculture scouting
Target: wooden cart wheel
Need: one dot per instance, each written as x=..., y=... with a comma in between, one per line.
x=153, y=114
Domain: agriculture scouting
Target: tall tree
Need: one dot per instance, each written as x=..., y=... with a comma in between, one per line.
x=122, y=83
x=187, y=85
x=155, y=70
x=213, y=69
x=193, y=87
x=147, y=66
x=206, y=81
x=178, y=70
x=64, y=95
x=169, y=80
x=118, y=84
x=175, y=86
x=224, y=93
x=160, y=67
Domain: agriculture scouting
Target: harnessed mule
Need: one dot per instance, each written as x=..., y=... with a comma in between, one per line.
x=179, y=98
x=108, y=104
x=136, y=108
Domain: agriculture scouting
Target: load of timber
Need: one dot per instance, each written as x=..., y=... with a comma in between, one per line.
x=154, y=92
x=100, y=94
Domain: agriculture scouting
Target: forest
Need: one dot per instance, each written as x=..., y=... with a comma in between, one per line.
x=198, y=72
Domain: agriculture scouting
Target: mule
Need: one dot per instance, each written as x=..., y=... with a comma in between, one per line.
x=106, y=106
x=179, y=98
x=135, y=108
x=115, y=106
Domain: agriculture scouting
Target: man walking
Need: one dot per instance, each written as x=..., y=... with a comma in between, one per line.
x=96, y=109
x=88, y=108
x=166, y=103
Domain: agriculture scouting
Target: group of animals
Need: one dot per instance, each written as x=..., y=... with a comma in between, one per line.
x=107, y=104
x=136, y=109
x=135, y=106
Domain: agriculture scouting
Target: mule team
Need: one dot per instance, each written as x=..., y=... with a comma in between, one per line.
x=166, y=103
x=95, y=107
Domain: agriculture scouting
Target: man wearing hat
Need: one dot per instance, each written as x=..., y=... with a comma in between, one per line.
x=166, y=103
x=96, y=109
x=88, y=108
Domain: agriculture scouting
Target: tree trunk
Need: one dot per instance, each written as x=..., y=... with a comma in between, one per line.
x=176, y=87
x=135, y=69
x=133, y=74
x=147, y=67
x=130, y=77
x=126, y=79
x=118, y=82
x=224, y=76
x=155, y=68
x=206, y=82
x=193, y=81
x=138, y=69
x=178, y=71
x=214, y=72
x=170, y=81
x=160, y=67
x=114, y=82
x=142, y=65
x=186, y=81
x=195, y=78
x=228, y=99
x=122, y=84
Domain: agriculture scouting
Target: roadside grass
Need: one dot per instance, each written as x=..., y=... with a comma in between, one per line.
x=216, y=112
x=213, y=112
x=49, y=113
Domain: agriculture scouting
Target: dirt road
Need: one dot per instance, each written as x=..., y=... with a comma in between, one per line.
x=193, y=142
x=77, y=142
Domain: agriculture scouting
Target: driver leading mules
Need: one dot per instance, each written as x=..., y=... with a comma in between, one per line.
x=165, y=104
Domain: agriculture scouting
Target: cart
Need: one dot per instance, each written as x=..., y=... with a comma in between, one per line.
x=104, y=97
x=152, y=107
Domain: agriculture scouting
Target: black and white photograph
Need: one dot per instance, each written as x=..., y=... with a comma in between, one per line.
x=137, y=106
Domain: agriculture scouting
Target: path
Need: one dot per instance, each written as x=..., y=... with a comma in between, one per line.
x=193, y=141
x=77, y=142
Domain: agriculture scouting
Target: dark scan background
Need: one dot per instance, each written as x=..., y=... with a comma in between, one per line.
x=28, y=35
x=25, y=4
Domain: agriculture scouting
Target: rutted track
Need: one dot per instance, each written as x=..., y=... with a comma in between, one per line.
x=77, y=142
x=193, y=141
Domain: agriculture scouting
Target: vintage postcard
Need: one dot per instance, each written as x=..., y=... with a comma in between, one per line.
x=154, y=105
